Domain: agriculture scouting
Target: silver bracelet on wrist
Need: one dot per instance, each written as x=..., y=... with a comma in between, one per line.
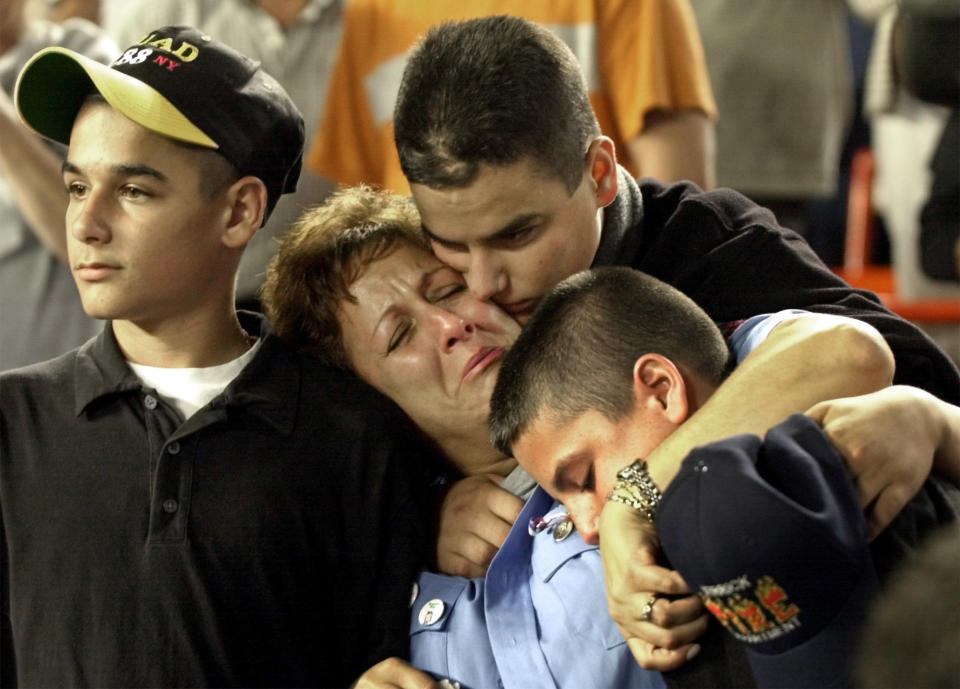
x=635, y=488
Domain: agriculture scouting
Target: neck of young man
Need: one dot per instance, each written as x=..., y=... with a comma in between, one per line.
x=190, y=340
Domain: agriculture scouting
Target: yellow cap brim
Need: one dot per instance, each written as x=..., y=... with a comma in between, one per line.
x=52, y=86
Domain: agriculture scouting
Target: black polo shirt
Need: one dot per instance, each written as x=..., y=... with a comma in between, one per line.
x=269, y=540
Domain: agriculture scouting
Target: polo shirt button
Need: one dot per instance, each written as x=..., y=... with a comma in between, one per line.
x=150, y=402
x=174, y=448
x=170, y=505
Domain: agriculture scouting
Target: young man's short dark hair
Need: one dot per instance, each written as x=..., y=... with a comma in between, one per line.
x=491, y=91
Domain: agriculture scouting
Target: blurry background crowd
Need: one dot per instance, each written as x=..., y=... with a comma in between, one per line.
x=839, y=115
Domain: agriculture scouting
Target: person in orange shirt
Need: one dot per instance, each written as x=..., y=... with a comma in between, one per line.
x=642, y=60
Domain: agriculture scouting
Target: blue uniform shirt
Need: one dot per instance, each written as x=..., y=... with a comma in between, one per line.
x=540, y=618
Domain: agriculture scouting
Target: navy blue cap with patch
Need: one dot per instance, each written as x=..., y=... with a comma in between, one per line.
x=771, y=535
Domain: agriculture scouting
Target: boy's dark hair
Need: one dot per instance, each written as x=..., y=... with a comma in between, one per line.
x=578, y=350
x=492, y=90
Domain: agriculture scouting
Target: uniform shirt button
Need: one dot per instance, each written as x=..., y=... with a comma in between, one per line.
x=170, y=505
x=562, y=530
x=431, y=612
x=174, y=448
x=150, y=402
x=414, y=592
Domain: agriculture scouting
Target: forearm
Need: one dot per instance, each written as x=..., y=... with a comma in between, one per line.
x=803, y=361
x=932, y=427
x=946, y=458
x=32, y=172
x=676, y=145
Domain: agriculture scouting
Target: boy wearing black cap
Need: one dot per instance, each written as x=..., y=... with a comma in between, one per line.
x=769, y=532
x=185, y=501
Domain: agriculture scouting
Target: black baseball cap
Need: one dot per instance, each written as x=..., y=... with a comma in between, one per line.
x=770, y=533
x=181, y=83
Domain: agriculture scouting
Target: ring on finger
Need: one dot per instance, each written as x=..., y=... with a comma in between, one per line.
x=647, y=611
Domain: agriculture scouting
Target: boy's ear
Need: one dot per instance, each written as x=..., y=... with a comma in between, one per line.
x=602, y=164
x=246, y=204
x=659, y=387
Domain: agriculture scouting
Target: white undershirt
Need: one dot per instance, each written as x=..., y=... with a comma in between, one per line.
x=189, y=389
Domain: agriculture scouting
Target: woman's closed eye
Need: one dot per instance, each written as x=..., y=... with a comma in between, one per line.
x=399, y=335
x=447, y=291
